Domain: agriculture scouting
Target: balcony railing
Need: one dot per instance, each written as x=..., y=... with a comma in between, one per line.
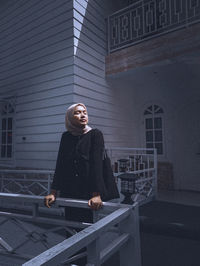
x=120, y=223
x=140, y=163
x=150, y=18
x=31, y=182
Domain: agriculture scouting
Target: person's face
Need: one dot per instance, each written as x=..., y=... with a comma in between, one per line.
x=80, y=116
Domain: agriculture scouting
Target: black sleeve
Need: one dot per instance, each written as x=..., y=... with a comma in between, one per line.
x=58, y=170
x=96, y=161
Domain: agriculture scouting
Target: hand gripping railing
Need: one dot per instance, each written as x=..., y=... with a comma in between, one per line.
x=121, y=219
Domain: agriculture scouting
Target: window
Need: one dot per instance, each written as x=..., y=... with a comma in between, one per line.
x=153, y=116
x=6, y=132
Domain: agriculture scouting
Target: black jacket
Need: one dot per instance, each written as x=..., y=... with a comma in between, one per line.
x=79, y=169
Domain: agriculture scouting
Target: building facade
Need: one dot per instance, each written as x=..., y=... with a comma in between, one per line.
x=137, y=71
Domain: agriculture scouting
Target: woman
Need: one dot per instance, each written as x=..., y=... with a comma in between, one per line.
x=79, y=166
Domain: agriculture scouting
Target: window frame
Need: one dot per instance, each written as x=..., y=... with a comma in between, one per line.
x=9, y=161
x=152, y=114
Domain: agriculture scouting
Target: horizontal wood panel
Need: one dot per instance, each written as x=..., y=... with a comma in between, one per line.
x=54, y=74
x=48, y=147
x=40, y=69
x=58, y=100
x=40, y=129
x=31, y=37
x=89, y=49
x=35, y=43
x=8, y=7
x=83, y=63
x=46, y=85
x=54, y=121
x=89, y=39
x=36, y=59
x=35, y=155
x=95, y=30
x=32, y=88
x=47, y=94
x=97, y=95
x=14, y=12
x=92, y=14
x=51, y=111
x=85, y=55
x=37, y=14
x=44, y=138
x=36, y=164
x=87, y=74
x=91, y=85
x=92, y=102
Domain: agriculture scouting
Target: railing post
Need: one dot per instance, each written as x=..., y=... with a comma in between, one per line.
x=93, y=251
x=156, y=174
x=49, y=183
x=130, y=254
x=2, y=175
x=35, y=209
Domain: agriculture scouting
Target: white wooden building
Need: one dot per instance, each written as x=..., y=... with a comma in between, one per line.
x=141, y=92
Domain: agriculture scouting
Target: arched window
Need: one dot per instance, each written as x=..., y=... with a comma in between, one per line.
x=153, y=117
x=6, y=130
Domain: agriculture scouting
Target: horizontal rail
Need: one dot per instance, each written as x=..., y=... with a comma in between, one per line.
x=146, y=179
x=23, y=179
x=126, y=231
x=113, y=247
x=43, y=220
x=85, y=237
x=136, y=171
x=131, y=149
x=59, y=201
x=26, y=171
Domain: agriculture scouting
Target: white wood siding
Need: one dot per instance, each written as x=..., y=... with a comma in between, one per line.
x=52, y=54
x=36, y=65
x=90, y=85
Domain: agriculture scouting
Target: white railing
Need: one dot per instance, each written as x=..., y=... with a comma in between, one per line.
x=141, y=165
x=31, y=182
x=120, y=220
x=146, y=19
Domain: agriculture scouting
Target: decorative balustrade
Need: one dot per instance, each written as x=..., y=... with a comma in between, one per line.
x=120, y=224
x=31, y=182
x=139, y=163
x=149, y=18
x=137, y=170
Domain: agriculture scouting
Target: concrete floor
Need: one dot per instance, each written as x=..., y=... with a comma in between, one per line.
x=182, y=197
x=182, y=207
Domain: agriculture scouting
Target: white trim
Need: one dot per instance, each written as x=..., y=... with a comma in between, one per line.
x=9, y=162
x=161, y=157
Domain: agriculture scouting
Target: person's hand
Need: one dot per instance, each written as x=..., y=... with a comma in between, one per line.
x=95, y=203
x=49, y=199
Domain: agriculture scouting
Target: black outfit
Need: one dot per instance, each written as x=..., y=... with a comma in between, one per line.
x=79, y=169
x=79, y=172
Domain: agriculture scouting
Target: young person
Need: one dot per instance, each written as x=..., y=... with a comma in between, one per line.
x=79, y=166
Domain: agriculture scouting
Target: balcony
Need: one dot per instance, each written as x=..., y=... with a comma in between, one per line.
x=151, y=31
